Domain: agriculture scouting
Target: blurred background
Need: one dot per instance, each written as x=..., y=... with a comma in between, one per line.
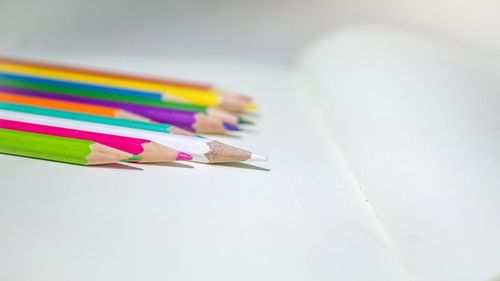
x=271, y=31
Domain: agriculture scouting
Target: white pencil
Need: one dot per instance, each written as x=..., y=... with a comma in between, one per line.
x=202, y=149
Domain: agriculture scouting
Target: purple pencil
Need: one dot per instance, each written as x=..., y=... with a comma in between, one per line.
x=194, y=121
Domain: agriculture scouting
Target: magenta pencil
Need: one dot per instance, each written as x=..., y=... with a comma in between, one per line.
x=148, y=151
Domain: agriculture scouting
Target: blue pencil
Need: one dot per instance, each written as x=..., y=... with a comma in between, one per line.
x=82, y=86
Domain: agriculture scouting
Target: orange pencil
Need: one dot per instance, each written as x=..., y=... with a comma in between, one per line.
x=70, y=106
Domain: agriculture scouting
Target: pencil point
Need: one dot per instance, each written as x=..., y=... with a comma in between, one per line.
x=242, y=120
x=211, y=125
x=257, y=157
x=181, y=156
x=250, y=107
x=223, y=153
x=231, y=127
x=134, y=158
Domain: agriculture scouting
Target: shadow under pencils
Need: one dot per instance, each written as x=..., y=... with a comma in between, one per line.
x=242, y=166
x=117, y=166
x=249, y=131
x=170, y=164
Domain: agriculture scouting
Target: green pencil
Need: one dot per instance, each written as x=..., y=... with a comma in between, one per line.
x=60, y=149
x=52, y=87
x=157, y=127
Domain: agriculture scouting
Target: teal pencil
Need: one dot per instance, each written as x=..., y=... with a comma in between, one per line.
x=157, y=127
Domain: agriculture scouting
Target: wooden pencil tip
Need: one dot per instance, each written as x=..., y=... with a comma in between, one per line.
x=102, y=154
x=227, y=93
x=223, y=153
x=155, y=152
x=232, y=104
x=209, y=125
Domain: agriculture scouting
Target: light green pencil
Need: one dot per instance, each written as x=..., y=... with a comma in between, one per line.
x=60, y=149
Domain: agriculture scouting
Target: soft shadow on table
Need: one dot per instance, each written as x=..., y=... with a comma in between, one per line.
x=242, y=166
x=117, y=166
x=170, y=164
x=249, y=131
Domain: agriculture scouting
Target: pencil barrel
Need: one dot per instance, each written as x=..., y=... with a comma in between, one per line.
x=46, y=147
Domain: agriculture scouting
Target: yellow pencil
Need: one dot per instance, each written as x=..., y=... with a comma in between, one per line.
x=178, y=92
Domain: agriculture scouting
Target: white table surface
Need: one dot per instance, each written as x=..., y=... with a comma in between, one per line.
x=299, y=216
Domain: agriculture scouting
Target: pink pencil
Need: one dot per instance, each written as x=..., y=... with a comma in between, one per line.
x=148, y=151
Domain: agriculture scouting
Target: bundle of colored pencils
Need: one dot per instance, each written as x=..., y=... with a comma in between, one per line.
x=88, y=117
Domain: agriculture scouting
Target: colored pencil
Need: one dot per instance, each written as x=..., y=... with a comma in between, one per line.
x=169, y=91
x=108, y=93
x=67, y=150
x=201, y=149
x=71, y=106
x=192, y=121
x=148, y=151
x=164, y=128
x=187, y=84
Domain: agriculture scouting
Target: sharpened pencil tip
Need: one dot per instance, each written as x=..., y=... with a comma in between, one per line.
x=250, y=107
x=242, y=120
x=134, y=158
x=257, y=157
x=183, y=157
x=231, y=127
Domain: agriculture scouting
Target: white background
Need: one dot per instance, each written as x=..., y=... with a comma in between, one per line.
x=273, y=30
